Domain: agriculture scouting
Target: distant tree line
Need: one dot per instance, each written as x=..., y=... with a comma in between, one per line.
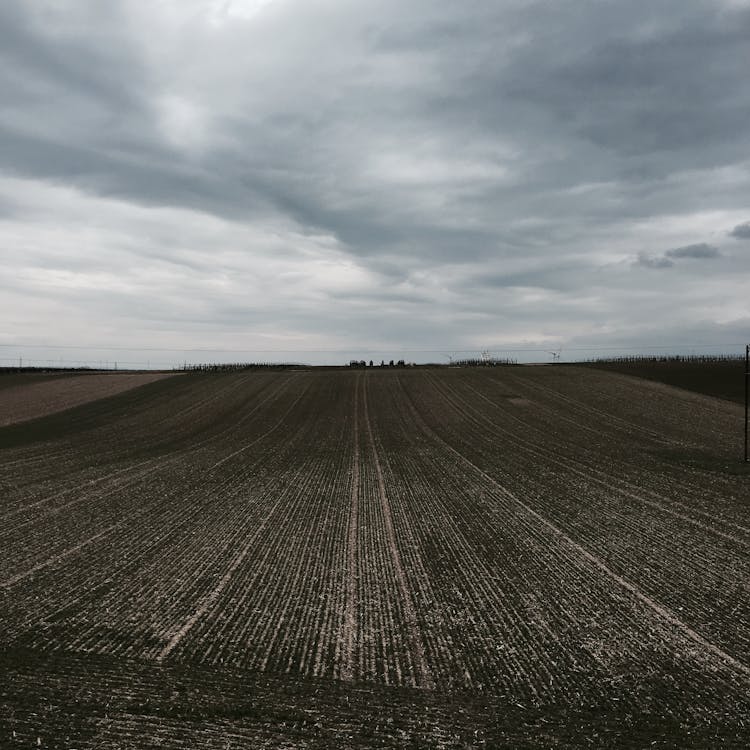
x=239, y=366
x=31, y=368
x=391, y=363
x=484, y=362
x=652, y=358
x=478, y=362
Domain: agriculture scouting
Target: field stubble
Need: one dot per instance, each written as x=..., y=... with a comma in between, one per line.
x=443, y=557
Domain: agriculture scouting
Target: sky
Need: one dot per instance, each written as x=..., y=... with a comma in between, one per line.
x=314, y=180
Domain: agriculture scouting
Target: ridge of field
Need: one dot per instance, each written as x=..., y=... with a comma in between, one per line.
x=31, y=396
x=12, y=379
x=722, y=379
x=503, y=557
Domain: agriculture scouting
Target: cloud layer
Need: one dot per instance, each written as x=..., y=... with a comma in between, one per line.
x=741, y=231
x=266, y=175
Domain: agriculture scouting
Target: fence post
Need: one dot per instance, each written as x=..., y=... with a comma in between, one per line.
x=747, y=382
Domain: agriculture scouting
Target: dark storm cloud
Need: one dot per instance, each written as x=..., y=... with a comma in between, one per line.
x=476, y=166
x=37, y=46
x=653, y=261
x=700, y=250
x=567, y=83
x=547, y=275
x=81, y=111
x=741, y=231
x=646, y=94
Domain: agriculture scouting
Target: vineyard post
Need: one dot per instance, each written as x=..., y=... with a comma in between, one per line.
x=747, y=381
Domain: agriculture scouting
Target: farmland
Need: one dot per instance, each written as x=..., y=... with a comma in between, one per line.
x=500, y=557
x=721, y=379
x=24, y=397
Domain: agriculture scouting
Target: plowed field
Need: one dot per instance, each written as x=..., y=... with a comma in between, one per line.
x=511, y=557
x=29, y=396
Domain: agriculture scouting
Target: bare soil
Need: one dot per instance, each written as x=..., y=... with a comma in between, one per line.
x=36, y=397
x=448, y=558
x=719, y=379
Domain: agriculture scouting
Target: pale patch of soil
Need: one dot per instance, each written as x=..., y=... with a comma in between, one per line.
x=23, y=402
x=519, y=401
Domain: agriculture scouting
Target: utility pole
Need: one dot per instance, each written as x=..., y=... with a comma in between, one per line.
x=747, y=389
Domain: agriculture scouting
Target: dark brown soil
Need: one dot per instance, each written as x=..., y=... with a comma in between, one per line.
x=428, y=558
x=27, y=397
x=720, y=379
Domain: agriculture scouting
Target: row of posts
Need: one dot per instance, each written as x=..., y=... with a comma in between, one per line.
x=747, y=391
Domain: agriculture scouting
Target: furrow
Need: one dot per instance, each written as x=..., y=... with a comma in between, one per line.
x=621, y=581
x=424, y=675
x=349, y=635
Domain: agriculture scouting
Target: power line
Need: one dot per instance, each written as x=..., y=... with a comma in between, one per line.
x=51, y=361
x=366, y=349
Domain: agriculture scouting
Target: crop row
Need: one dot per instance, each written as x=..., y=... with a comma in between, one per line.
x=433, y=530
x=90, y=551
x=611, y=460
x=688, y=566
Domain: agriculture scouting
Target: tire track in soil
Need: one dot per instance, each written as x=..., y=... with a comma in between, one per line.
x=158, y=462
x=188, y=511
x=109, y=529
x=24, y=507
x=591, y=473
x=131, y=476
x=118, y=485
x=350, y=617
x=477, y=582
x=216, y=592
x=256, y=622
x=614, y=420
x=653, y=605
x=675, y=481
x=210, y=599
x=62, y=555
x=654, y=585
x=424, y=675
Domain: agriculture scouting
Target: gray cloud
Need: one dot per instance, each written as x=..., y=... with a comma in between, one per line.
x=741, y=231
x=700, y=250
x=653, y=261
x=311, y=175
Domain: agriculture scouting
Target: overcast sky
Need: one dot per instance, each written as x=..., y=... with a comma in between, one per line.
x=338, y=176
